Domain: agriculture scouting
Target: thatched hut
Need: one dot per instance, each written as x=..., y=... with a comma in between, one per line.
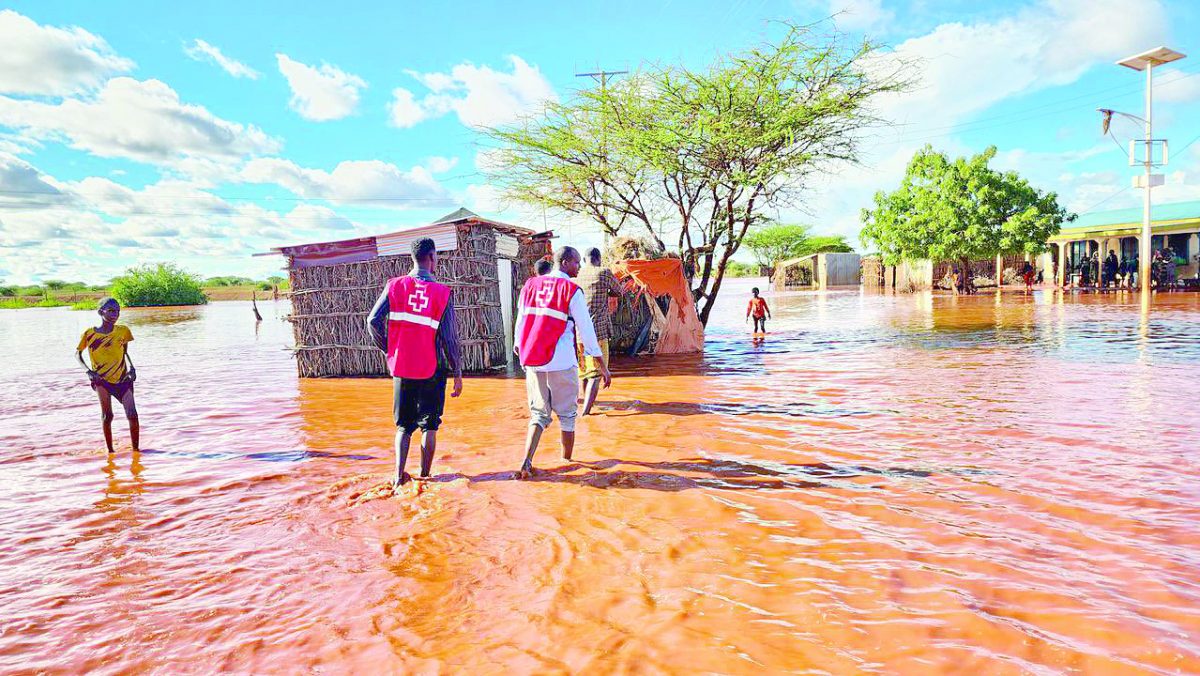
x=335, y=284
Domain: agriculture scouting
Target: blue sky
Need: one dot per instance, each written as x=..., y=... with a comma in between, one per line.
x=138, y=132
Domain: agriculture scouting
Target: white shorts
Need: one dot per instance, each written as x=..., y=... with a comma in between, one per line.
x=555, y=391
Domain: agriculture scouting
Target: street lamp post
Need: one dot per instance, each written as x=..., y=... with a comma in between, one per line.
x=1147, y=61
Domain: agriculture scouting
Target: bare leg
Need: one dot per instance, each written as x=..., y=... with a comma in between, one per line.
x=131, y=415
x=402, y=441
x=106, y=415
x=591, y=387
x=568, y=444
x=531, y=444
x=428, y=448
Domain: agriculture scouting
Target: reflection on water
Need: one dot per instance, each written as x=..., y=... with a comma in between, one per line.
x=885, y=483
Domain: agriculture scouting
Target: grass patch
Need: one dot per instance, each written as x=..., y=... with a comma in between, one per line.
x=22, y=303
x=84, y=305
x=160, y=284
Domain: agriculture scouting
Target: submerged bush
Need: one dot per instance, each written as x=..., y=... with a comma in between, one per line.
x=159, y=284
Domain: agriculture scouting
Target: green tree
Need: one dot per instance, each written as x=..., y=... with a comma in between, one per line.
x=696, y=156
x=960, y=210
x=159, y=284
x=779, y=242
x=776, y=242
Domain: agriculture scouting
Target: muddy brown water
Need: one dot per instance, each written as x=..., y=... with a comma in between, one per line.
x=886, y=484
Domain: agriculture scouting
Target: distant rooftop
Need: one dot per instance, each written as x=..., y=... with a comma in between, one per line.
x=1175, y=211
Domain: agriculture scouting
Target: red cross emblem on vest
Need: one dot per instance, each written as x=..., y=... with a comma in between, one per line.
x=544, y=293
x=418, y=300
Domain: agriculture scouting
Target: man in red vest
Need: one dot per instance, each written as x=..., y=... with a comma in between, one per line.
x=552, y=315
x=413, y=323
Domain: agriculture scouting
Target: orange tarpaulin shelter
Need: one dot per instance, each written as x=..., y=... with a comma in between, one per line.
x=679, y=330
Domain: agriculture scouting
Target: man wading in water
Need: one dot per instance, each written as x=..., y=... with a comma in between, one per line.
x=599, y=284
x=553, y=313
x=413, y=322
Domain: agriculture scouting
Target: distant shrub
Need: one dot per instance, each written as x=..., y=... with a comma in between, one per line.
x=8, y=290
x=84, y=305
x=159, y=284
x=738, y=269
x=228, y=281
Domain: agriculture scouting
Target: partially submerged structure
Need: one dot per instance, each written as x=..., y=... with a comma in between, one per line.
x=914, y=275
x=819, y=271
x=1175, y=226
x=335, y=284
x=660, y=317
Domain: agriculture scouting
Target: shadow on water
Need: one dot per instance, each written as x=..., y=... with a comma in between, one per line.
x=731, y=475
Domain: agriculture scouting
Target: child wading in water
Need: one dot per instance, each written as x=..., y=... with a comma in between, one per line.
x=108, y=348
x=758, y=310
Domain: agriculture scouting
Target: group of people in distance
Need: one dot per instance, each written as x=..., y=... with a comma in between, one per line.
x=561, y=336
x=1122, y=273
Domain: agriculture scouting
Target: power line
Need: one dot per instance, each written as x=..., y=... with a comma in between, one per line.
x=1023, y=115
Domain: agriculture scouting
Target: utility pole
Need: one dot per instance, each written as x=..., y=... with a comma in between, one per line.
x=601, y=76
x=1147, y=61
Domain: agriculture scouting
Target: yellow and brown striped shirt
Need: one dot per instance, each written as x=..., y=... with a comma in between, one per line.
x=107, y=351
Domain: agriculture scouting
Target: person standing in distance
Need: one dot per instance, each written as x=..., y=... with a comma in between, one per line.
x=552, y=314
x=413, y=322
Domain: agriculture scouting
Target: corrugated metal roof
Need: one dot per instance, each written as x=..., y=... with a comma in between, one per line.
x=445, y=236
x=1175, y=211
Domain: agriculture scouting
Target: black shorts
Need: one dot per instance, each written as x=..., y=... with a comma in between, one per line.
x=419, y=403
x=117, y=390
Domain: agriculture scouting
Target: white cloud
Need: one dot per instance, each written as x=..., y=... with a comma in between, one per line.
x=366, y=182
x=1172, y=85
x=406, y=111
x=22, y=185
x=200, y=50
x=968, y=67
x=479, y=95
x=861, y=15
x=316, y=217
x=140, y=120
x=440, y=165
x=323, y=93
x=45, y=60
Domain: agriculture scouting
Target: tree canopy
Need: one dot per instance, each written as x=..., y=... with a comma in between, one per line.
x=694, y=157
x=960, y=210
x=777, y=242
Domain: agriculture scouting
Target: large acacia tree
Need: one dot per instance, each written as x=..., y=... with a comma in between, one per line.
x=694, y=157
x=960, y=210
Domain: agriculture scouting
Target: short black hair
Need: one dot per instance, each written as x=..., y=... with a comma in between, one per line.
x=594, y=256
x=543, y=267
x=106, y=301
x=423, y=248
x=565, y=253
x=754, y=291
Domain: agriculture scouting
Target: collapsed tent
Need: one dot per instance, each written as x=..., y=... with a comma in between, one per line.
x=661, y=318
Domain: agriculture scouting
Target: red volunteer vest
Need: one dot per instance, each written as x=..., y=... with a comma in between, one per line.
x=416, y=308
x=546, y=303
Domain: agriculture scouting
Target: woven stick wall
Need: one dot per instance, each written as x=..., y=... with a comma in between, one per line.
x=330, y=305
x=627, y=322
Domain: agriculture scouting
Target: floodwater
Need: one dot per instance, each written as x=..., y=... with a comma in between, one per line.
x=886, y=484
